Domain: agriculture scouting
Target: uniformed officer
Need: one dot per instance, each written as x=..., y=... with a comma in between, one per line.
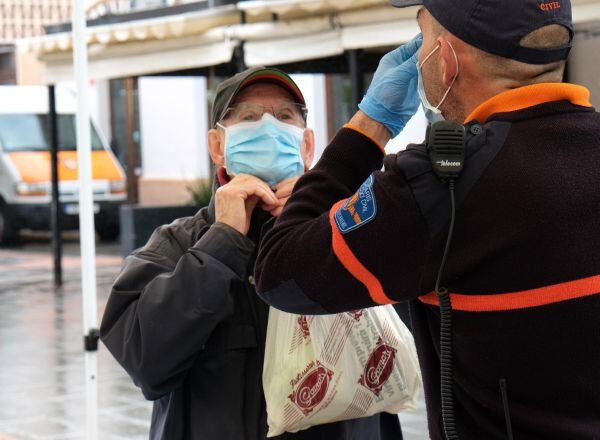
x=523, y=269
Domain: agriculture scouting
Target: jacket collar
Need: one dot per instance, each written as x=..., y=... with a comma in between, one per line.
x=529, y=96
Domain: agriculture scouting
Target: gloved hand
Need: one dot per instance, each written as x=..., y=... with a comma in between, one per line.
x=392, y=98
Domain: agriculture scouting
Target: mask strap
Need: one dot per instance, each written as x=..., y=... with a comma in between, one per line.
x=221, y=126
x=453, y=79
x=419, y=65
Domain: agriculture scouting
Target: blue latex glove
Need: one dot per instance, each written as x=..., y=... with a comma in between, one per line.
x=392, y=98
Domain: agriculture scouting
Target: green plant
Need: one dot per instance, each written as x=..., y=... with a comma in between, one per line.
x=201, y=192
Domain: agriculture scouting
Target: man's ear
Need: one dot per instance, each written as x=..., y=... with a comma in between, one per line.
x=216, y=147
x=449, y=59
x=308, y=148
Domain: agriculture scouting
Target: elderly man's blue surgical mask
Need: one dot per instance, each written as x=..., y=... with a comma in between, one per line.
x=433, y=113
x=268, y=149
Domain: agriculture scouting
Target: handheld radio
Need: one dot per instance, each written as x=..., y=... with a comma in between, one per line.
x=446, y=149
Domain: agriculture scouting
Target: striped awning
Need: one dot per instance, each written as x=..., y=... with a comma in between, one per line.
x=274, y=32
x=138, y=47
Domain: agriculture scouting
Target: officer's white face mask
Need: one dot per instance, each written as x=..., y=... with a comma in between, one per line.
x=433, y=113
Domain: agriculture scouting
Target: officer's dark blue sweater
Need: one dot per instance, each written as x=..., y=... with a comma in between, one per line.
x=523, y=269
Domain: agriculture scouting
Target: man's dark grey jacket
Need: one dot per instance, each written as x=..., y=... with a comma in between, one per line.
x=184, y=320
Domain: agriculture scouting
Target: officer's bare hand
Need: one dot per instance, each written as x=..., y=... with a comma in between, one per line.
x=235, y=201
x=283, y=191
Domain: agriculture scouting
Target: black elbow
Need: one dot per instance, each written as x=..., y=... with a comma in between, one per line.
x=289, y=297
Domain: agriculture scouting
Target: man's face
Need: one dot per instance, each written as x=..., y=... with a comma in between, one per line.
x=249, y=104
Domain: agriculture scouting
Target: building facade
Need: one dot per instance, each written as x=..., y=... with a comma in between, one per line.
x=25, y=19
x=148, y=55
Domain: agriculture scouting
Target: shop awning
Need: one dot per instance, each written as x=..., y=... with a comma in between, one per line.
x=274, y=32
x=585, y=11
x=304, y=39
x=292, y=8
x=165, y=44
x=328, y=43
x=343, y=27
x=136, y=60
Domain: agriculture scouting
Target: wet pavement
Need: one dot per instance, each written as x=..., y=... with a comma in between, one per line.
x=42, y=388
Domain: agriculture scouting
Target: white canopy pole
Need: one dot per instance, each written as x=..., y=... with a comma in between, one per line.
x=86, y=218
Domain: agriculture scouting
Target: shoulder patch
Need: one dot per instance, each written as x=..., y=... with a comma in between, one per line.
x=358, y=210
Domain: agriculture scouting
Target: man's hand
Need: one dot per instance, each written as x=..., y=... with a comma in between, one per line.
x=283, y=191
x=392, y=98
x=235, y=201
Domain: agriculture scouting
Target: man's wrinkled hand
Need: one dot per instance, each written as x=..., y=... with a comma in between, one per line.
x=235, y=202
x=283, y=191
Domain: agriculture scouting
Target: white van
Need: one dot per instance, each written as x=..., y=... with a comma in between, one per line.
x=25, y=167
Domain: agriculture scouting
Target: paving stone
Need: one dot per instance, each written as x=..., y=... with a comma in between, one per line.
x=42, y=370
x=42, y=366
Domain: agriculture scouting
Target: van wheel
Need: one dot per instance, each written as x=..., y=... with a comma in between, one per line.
x=8, y=233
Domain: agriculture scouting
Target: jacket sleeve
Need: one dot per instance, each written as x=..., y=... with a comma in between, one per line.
x=350, y=236
x=168, y=299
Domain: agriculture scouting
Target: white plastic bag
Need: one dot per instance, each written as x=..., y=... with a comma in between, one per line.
x=322, y=369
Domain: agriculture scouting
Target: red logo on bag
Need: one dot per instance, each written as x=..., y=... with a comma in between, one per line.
x=355, y=314
x=312, y=388
x=303, y=323
x=379, y=367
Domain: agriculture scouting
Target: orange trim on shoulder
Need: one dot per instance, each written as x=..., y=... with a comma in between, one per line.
x=352, y=264
x=529, y=96
x=521, y=300
x=355, y=128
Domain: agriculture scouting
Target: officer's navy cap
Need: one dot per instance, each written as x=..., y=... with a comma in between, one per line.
x=497, y=26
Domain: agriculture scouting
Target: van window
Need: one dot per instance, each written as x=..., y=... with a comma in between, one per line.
x=29, y=132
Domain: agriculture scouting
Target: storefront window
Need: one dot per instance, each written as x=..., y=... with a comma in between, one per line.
x=7, y=66
x=125, y=128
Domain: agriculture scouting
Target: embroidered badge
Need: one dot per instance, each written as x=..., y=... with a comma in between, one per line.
x=358, y=209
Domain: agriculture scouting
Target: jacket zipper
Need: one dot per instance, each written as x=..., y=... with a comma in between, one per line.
x=503, y=391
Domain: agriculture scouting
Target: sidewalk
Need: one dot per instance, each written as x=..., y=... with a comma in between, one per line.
x=41, y=352
x=42, y=359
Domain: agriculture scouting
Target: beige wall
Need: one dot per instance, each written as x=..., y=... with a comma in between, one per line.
x=163, y=192
x=29, y=69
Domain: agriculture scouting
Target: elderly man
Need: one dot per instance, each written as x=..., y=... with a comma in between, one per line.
x=523, y=270
x=183, y=317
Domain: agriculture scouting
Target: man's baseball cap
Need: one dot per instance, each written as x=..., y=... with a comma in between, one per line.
x=497, y=26
x=229, y=89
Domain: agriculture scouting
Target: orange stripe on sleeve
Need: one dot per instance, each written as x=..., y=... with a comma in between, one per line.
x=352, y=264
x=521, y=300
x=358, y=130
